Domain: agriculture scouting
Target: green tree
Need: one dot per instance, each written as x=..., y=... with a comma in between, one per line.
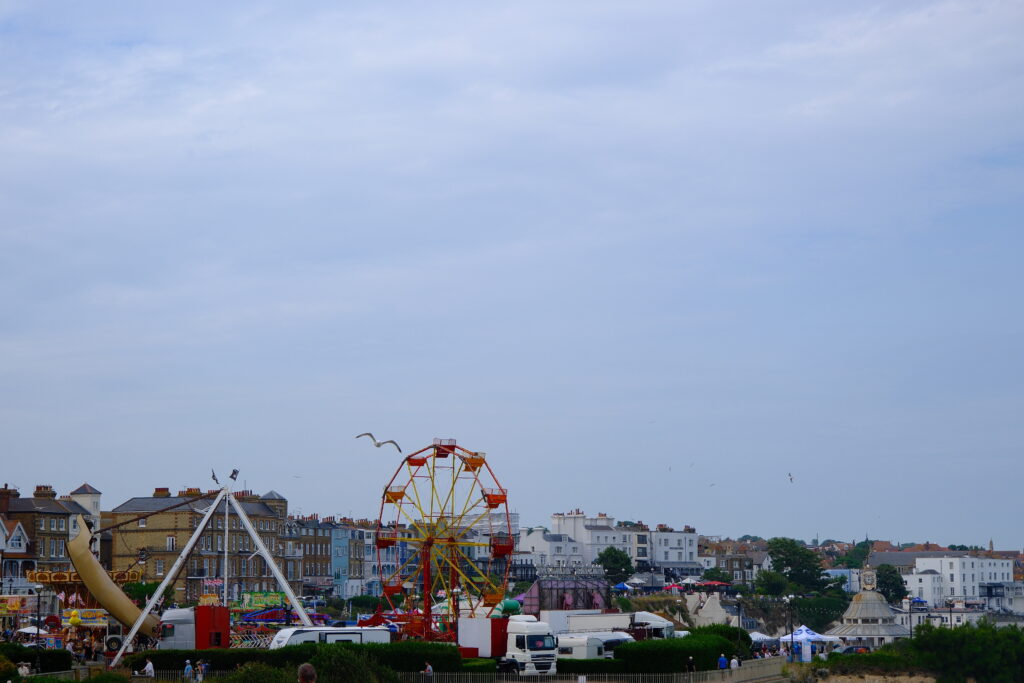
x=141, y=592
x=798, y=564
x=890, y=583
x=856, y=556
x=617, y=567
x=770, y=583
x=716, y=574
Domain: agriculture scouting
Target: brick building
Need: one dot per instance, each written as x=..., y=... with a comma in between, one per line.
x=153, y=543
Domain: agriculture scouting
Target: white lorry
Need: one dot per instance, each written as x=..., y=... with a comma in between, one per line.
x=330, y=634
x=520, y=643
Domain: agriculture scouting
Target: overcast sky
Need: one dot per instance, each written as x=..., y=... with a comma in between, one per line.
x=651, y=257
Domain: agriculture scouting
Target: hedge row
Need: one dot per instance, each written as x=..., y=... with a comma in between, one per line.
x=981, y=653
x=49, y=660
x=405, y=655
x=733, y=634
x=591, y=666
x=480, y=665
x=673, y=654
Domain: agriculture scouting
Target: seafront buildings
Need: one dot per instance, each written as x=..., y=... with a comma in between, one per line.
x=342, y=556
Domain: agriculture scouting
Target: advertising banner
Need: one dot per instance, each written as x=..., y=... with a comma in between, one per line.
x=13, y=605
x=262, y=600
x=87, y=617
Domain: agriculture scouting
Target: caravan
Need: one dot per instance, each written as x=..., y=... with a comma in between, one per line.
x=330, y=634
x=583, y=646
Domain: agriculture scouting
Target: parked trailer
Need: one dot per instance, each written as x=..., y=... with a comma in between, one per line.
x=580, y=647
x=330, y=634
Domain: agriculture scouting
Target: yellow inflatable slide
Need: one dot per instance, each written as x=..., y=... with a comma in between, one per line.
x=102, y=587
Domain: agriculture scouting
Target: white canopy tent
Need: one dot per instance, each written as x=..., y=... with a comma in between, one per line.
x=32, y=630
x=807, y=634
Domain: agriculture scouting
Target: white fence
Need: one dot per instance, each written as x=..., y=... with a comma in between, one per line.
x=752, y=670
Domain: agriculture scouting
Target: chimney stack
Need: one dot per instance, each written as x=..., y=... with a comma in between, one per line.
x=44, y=491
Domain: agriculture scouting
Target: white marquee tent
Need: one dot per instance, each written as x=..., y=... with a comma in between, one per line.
x=804, y=633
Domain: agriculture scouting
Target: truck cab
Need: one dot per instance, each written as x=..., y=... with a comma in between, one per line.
x=531, y=647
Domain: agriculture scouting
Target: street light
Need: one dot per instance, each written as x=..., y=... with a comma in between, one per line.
x=789, y=609
x=39, y=602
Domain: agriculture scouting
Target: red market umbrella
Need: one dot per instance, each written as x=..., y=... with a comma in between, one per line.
x=714, y=583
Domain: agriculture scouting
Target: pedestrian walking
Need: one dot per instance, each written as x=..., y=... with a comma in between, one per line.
x=307, y=674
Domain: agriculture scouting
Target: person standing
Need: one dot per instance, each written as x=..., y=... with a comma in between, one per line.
x=307, y=674
x=199, y=670
x=188, y=670
x=723, y=663
x=734, y=663
x=691, y=666
x=147, y=670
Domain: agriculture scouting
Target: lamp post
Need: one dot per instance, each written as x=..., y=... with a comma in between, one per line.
x=789, y=610
x=39, y=602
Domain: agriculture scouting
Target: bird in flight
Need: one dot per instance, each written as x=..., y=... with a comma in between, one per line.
x=378, y=444
x=213, y=475
x=790, y=477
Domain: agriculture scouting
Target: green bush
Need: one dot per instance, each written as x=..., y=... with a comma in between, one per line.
x=731, y=633
x=49, y=660
x=480, y=665
x=7, y=669
x=410, y=655
x=109, y=677
x=982, y=652
x=672, y=655
x=868, y=663
x=223, y=660
x=341, y=663
x=258, y=672
x=591, y=666
x=407, y=655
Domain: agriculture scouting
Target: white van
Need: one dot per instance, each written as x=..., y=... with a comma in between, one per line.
x=330, y=634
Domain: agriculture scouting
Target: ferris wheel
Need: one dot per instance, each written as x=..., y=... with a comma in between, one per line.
x=444, y=539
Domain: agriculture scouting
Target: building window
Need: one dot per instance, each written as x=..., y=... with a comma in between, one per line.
x=159, y=567
x=142, y=523
x=61, y=524
x=172, y=543
x=53, y=524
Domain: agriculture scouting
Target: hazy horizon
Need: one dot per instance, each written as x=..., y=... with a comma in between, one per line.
x=652, y=258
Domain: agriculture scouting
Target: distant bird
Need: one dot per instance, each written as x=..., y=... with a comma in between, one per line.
x=790, y=477
x=378, y=444
x=710, y=484
x=234, y=475
x=213, y=475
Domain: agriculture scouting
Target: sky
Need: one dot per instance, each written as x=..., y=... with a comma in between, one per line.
x=653, y=258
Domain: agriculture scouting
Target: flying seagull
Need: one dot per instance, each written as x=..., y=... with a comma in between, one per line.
x=378, y=444
x=790, y=477
x=213, y=475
